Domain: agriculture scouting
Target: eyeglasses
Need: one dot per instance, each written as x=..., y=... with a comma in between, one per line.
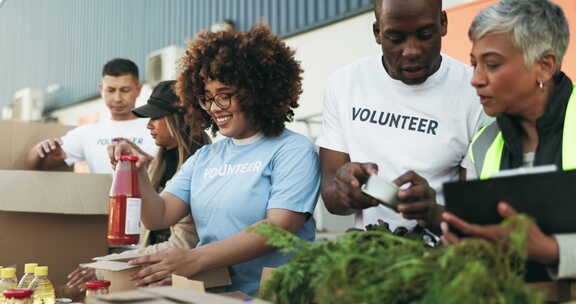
x=223, y=101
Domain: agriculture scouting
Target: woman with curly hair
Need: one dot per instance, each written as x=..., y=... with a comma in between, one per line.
x=246, y=84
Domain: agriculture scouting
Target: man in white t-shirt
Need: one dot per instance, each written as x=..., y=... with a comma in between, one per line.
x=119, y=89
x=407, y=115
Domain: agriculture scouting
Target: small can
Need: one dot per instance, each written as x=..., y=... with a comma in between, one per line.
x=97, y=287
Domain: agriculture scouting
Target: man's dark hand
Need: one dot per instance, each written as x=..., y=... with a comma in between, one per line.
x=418, y=201
x=349, y=180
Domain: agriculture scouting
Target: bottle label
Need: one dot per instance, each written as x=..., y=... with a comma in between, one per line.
x=133, y=206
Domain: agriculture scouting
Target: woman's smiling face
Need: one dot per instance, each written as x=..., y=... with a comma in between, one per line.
x=231, y=121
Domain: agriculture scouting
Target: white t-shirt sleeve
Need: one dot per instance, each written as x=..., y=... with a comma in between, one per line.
x=73, y=146
x=331, y=137
x=567, y=264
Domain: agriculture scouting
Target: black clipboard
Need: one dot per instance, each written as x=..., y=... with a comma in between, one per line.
x=549, y=198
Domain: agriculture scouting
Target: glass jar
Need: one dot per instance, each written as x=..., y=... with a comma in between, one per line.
x=124, y=204
x=97, y=287
x=18, y=296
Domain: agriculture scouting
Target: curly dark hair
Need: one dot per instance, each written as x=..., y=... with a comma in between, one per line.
x=257, y=63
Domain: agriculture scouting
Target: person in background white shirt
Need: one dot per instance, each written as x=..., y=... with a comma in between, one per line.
x=407, y=114
x=119, y=89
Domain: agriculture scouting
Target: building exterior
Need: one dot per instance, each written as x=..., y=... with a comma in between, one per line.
x=60, y=46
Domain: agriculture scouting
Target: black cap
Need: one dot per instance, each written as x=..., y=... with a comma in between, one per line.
x=161, y=103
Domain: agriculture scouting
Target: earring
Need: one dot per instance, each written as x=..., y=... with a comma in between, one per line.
x=540, y=84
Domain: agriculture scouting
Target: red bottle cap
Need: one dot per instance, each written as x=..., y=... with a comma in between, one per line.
x=18, y=293
x=97, y=284
x=129, y=157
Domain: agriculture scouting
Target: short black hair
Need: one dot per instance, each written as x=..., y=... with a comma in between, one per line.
x=119, y=67
x=378, y=5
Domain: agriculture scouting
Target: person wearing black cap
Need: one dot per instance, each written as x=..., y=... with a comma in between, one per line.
x=177, y=139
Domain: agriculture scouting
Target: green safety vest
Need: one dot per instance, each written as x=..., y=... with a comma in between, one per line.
x=488, y=144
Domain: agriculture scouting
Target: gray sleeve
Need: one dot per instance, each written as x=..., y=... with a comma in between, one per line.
x=467, y=164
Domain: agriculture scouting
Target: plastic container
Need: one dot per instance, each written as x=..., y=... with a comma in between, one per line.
x=124, y=204
x=8, y=281
x=97, y=287
x=28, y=275
x=42, y=287
x=382, y=190
x=18, y=296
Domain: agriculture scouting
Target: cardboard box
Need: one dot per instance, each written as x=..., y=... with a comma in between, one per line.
x=266, y=274
x=182, y=282
x=57, y=219
x=118, y=273
x=18, y=138
x=166, y=295
x=115, y=269
x=236, y=295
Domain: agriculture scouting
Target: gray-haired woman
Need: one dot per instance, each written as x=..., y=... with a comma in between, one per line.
x=518, y=47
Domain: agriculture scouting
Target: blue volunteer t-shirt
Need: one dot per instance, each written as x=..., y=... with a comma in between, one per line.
x=230, y=187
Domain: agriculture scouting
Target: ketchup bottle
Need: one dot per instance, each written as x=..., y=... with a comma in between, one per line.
x=124, y=204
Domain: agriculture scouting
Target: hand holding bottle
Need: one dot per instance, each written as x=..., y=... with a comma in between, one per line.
x=126, y=147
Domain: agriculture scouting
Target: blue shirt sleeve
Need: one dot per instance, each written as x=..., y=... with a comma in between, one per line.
x=180, y=184
x=295, y=179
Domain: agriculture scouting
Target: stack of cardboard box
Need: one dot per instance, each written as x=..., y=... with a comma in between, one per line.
x=57, y=219
x=115, y=268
